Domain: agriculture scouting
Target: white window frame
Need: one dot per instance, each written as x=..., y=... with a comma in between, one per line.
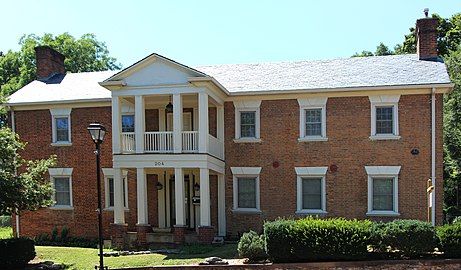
x=109, y=173
x=246, y=172
x=383, y=172
x=60, y=113
x=247, y=106
x=312, y=103
x=61, y=173
x=310, y=172
x=385, y=101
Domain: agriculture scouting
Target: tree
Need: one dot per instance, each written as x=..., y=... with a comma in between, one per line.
x=23, y=184
x=381, y=49
x=82, y=55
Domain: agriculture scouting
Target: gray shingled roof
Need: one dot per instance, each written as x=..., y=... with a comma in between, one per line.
x=327, y=74
x=237, y=78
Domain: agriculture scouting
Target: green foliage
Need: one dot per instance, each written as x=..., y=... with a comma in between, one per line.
x=5, y=221
x=64, y=234
x=450, y=239
x=312, y=239
x=64, y=240
x=381, y=50
x=457, y=220
x=406, y=237
x=54, y=234
x=252, y=246
x=28, y=190
x=82, y=55
x=16, y=252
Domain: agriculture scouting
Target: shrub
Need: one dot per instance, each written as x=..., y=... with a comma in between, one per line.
x=5, y=221
x=65, y=240
x=450, y=239
x=252, y=246
x=456, y=220
x=64, y=234
x=16, y=252
x=406, y=237
x=312, y=239
x=54, y=234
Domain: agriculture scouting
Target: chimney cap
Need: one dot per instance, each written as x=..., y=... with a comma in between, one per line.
x=426, y=12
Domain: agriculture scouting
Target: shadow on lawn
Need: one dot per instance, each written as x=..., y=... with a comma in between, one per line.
x=196, y=251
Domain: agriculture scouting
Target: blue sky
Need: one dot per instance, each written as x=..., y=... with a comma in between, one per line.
x=204, y=32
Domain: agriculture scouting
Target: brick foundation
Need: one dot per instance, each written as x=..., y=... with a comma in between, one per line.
x=206, y=234
x=142, y=231
x=179, y=233
x=118, y=234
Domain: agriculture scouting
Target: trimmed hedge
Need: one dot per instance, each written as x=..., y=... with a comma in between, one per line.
x=450, y=239
x=408, y=238
x=312, y=239
x=252, y=246
x=16, y=252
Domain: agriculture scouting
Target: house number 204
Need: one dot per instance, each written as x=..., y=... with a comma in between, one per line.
x=158, y=163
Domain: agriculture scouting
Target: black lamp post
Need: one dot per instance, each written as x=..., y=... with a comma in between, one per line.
x=97, y=132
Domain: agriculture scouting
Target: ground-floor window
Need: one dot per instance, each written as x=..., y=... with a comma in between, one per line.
x=246, y=188
x=61, y=181
x=110, y=188
x=383, y=190
x=311, y=190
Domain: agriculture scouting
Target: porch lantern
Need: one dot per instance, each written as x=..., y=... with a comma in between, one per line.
x=196, y=187
x=97, y=132
x=159, y=186
x=169, y=107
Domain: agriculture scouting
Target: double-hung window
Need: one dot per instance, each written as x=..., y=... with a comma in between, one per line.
x=311, y=190
x=382, y=190
x=247, y=121
x=61, y=181
x=110, y=188
x=246, y=189
x=312, y=119
x=384, y=117
x=61, y=127
x=128, y=123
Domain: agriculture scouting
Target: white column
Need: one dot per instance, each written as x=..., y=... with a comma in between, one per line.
x=205, y=215
x=116, y=125
x=141, y=196
x=221, y=205
x=161, y=202
x=179, y=197
x=119, y=211
x=220, y=127
x=139, y=123
x=203, y=122
x=177, y=123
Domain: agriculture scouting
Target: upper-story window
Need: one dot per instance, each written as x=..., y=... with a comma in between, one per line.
x=384, y=117
x=311, y=190
x=383, y=191
x=61, y=127
x=128, y=123
x=247, y=121
x=312, y=119
x=61, y=180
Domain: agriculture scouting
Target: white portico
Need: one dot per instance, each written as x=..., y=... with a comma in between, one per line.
x=168, y=120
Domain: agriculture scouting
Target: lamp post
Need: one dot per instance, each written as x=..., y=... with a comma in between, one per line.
x=97, y=132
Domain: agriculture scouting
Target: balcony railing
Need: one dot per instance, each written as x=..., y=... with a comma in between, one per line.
x=158, y=142
x=189, y=141
x=215, y=147
x=128, y=142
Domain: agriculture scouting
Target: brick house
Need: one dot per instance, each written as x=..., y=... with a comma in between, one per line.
x=194, y=153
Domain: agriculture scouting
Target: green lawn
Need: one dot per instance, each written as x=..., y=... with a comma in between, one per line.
x=6, y=232
x=87, y=258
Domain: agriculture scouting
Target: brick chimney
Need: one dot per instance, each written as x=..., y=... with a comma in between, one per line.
x=49, y=62
x=426, y=38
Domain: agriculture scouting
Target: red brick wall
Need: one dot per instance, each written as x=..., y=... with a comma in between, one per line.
x=348, y=147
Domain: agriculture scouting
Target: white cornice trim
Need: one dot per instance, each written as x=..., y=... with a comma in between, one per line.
x=382, y=170
x=246, y=170
x=384, y=99
x=60, y=111
x=60, y=171
x=312, y=102
x=246, y=104
x=320, y=171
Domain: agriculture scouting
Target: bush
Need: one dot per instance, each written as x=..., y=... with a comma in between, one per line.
x=313, y=239
x=252, y=246
x=5, y=221
x=406, y=237
x=16, y=252
x=64, y=240
x=456, y=220
x=450, y=239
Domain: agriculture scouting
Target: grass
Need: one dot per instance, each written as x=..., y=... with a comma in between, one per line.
x=6, y=232
x=87, y=258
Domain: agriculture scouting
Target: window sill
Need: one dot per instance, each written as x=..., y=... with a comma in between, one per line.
x=383, y=214
x=384, y=137
x=62, y=207
x=247, y=140
x=61, y=144
x=313, y=139
x=246, y=211
x=311, y=212
x=111, y=209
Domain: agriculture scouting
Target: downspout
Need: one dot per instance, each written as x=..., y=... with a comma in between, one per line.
x=433, y=155
x=13, y=128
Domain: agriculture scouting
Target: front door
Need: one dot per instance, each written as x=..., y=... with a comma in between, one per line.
x=187, y=193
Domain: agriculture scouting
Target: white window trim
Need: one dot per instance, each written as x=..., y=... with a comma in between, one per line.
x=247, y=106
x=109, y=173
x=61, y=172
x=60, y=113
x=382, y=172
x=310, y=172
x=312, y=103
x=379, y=101
x=241, y=172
